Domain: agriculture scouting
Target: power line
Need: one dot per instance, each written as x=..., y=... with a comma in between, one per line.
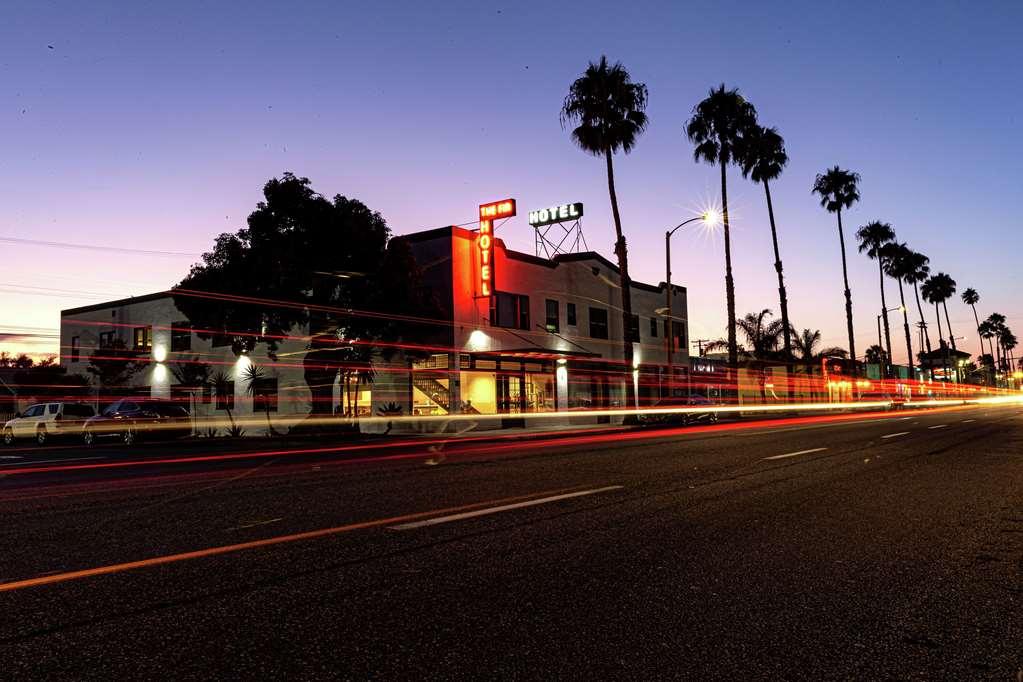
x=94, y=247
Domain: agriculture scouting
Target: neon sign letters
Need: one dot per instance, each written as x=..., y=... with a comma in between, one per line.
x=556, y=214
x=485, y=240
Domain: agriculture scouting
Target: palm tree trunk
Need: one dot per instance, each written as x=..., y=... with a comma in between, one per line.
x=621, y=250
x=941, y=341
x=909, y=337
x=733, y=348
x=782, y=298
x=920, y=309
x=848, y=293
x=884, y=312
x=976, y=318
x=948, y=323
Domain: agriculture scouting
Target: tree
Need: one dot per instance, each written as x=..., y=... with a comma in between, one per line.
x=716, y=128
x=224, y=389
x=21, y=361
x=312, y=264
x=876, y=355
x=255, y=387
x=873, y=237
x=806, y=343
x=763, y=157
x=898, y=263
x=608, y=111
x=114, y=365
x=988, y=331
x=1009, y=342
x=47, y=379
x=762, y=336
x=996, y=324
x=937, y=289
x=838, y=190
x=972, y=298
x=916, y=271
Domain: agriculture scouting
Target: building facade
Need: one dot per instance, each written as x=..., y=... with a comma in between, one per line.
x=533, y=335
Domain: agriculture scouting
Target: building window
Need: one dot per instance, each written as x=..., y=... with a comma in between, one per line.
x=106, y=339
x=509, y=310
x=678, y=336
x=264, y=395
x=76, y=346
x=181, y=337
x=570, y=314
x=225, y=397
x=653, y=328
x=632, y=333
x=553, y=316
x=598, y=323
x=142, y=340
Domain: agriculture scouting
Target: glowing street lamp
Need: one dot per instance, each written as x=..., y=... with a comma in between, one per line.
x=710, y=218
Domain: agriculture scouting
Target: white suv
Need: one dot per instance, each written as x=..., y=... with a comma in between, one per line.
x=44, y=421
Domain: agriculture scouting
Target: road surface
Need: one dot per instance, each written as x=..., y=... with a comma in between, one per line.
x=879, y=546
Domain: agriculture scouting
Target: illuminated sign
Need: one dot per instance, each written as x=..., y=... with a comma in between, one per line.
x=485, y=240
x=556, y=214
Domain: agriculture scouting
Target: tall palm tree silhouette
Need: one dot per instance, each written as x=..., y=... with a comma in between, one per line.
x=997, y=323
x=897, y=257
x=916, y=272
x=608, y=112
x=937, y=290
x=762, y=158
x=716, y=128
x=839, y=189
x=873, y=237
x=972, y=298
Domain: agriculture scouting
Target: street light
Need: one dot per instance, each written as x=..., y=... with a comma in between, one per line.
x=879, y=345
x=710, y=218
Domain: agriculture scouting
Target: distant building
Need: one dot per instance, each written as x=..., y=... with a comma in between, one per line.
x=943, y=361
x=538, y=336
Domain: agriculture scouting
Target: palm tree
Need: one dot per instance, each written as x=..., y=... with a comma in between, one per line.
x=224, y=387
x=607, y=109
x=838, y=189
x=873, y=237
x=971, y=298
x=716, y=128
x=988, y=331
x=806, y=343
x=947, y=286
x=762, y=158
x=254, y=376
x=1009, y=342
x=897, y=265
x=761, y=336
x=936, y=290
x=997, y=323
x=916, y=272
x=876, y=355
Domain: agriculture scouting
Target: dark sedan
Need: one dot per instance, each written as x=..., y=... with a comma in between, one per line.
x=129, y=420
x=682, y=418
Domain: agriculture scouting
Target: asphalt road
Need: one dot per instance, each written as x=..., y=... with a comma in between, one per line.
x=873, y=547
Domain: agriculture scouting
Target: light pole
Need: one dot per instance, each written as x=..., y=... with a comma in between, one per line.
x=889, y=363
x=709, y=218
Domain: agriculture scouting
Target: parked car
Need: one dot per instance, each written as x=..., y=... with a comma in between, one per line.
x=129, y=420
x=46, y=421
x=682, y=418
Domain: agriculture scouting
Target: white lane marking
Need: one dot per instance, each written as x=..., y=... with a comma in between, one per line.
x=938, y=426
x=503, y=507
x=11, y=457
x=257, y=523
x=893, y=435
x=793, y=454
x=967, y=421
x=48, y=461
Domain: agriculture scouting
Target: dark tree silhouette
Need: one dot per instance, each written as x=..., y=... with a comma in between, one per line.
x=898, y=263
x=838, y=190
x=608, y=111
x=972, y=298
x=873, y=237
x=916, y=271
x=716, y=129
x=762, y=158
x=112, y=366
x=310, y=263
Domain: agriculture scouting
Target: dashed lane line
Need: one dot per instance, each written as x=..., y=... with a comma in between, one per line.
x=794, y=454
x=937, y=426
x=505, y=507
x=894, y=435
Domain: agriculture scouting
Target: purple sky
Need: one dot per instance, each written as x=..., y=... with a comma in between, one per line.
x=155, y=127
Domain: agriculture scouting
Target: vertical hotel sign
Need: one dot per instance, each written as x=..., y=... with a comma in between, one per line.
x=485, y=241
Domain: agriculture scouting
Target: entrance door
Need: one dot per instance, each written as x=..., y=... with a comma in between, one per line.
x=510, y=399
